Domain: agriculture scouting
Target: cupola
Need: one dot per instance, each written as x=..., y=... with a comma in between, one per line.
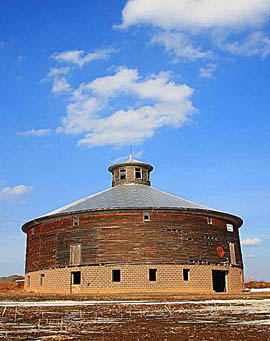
x=130, y=171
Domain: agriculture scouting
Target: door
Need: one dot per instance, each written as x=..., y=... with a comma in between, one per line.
x=219, y=280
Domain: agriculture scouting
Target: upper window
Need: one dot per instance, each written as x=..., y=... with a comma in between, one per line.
x=146, y=216
x=209, y=220
x=75, y=221
x=138, y=173
x=123, y=173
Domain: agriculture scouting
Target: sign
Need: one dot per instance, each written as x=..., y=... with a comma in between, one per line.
x=220, y=252
x=230, y=227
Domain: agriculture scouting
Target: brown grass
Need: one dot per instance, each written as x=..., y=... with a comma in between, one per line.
x=257, y=284
x=11, y=287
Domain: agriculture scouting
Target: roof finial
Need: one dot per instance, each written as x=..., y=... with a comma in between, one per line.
x=130, y=155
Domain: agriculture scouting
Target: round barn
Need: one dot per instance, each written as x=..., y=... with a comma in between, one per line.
x=133, y=238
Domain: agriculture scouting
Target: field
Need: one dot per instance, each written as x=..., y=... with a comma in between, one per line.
x=25, y=316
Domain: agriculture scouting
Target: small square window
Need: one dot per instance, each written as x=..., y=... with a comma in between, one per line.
x=116, y=275
x=186, y=274
x=76, y=277
x=138, y=173
x=152, y=275
x=42, y=277
x=76, y=221
x=123, y=173
x=146, y=216
x=209, y=220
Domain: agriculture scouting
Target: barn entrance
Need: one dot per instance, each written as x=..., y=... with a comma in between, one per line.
x=75, y=282
x=219, y=280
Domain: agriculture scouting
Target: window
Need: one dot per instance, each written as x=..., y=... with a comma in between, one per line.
x=116, y=275
x=76, y=277
x=152, y=275
x=123, y=173
x=28, y=281
x=33, y=230
x=75, y=254
x=75, y=221
x=209, y=220
x=146, y=216
x=138, y=173
x=42, y=277
x=232, y=253
x=186, y=274
x=229, y=227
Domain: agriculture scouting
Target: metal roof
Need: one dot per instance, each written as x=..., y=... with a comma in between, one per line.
x=129, y=195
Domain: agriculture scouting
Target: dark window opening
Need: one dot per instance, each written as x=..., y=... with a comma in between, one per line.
x=152, y=275
x=146, y=216
x=219, y=280
x=138, y=173
x=76, y=277
x=33, y=230
x=28, y=281
x=209, y=220
x=42, y=277
x=123, y=174
x=75, y=221
x=186, y=274
x=116, y=275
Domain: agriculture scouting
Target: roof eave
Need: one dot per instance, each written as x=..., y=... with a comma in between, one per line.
x=196, y=211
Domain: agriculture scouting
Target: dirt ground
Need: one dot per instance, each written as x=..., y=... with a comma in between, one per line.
x=26, y=316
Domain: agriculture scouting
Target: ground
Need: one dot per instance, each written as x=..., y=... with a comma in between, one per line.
x=27, y=316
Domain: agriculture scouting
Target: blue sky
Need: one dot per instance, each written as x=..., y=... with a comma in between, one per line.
x=186, y=83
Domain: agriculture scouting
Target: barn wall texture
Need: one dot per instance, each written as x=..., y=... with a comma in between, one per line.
x=126, y=238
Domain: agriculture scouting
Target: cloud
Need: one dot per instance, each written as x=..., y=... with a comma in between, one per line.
x=78, y=57
x=54, y=72
x=207, y=71
x=256, y=43
x=60, y=85
x=195, y=14
x=14, y=192
x=145, y=106
x=252, y=242
x=33, y=132
x=250, y=255
x=183, y=22
x=179, y=44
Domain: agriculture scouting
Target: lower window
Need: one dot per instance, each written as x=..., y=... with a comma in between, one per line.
x=186, y=274
x=76, y=277
x=152, y=275
x=116, y=275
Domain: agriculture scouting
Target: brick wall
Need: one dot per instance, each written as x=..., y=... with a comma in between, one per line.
x=134, y=278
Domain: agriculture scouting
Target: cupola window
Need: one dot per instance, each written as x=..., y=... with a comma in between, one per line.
x=123, y=173
x=138, y=173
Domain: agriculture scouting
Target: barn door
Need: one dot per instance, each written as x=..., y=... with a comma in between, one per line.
x=75, y=254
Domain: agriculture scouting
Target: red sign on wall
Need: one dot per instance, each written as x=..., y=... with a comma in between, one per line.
x=220, y=252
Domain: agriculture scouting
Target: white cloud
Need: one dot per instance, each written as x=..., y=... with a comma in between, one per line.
x=207, y=71
x=54, y=72
x=33, y=132
x=250, y=255
x=151, y=103
x=257, y=43
x=195, y=14
x=14, y=192
x=60, y=85
x=252, y=242
x=78, y=57
x=201, y=20
x=179, y=44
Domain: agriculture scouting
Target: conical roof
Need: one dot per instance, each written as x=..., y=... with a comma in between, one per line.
x=129, y=196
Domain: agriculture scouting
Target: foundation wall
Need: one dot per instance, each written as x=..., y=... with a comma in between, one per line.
x=134, y=278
